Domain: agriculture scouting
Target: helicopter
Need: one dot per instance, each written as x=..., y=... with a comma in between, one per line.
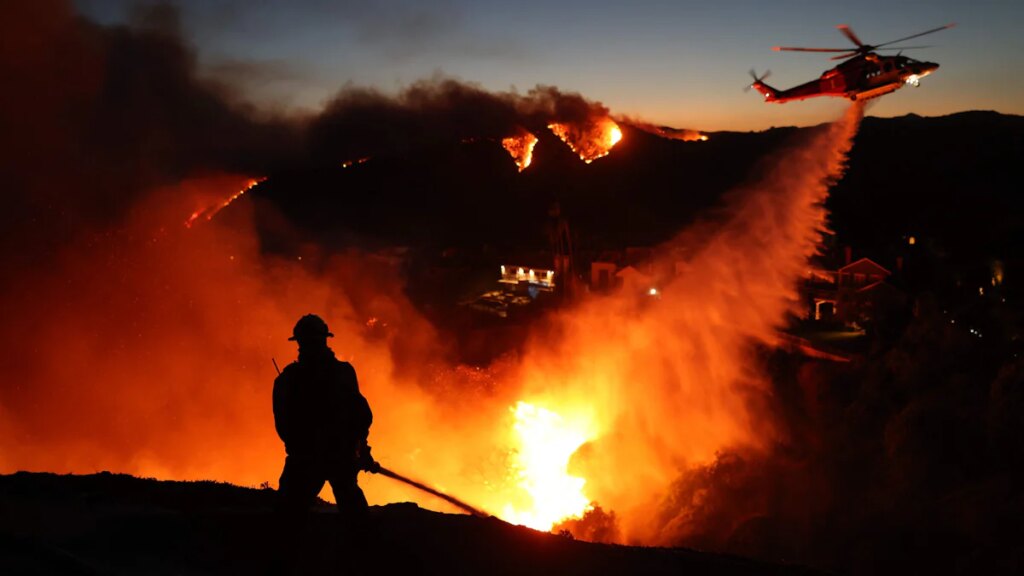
x=863, y=75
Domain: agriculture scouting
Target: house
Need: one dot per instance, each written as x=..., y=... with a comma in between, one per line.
x=634, y=281
x=853, y=294
x=515, y=276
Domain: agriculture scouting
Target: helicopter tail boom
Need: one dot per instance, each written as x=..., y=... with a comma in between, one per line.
x=770, y=94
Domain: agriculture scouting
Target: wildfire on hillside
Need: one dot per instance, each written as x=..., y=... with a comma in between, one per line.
x=520, y=148
x=591, y=140
x=210, y=211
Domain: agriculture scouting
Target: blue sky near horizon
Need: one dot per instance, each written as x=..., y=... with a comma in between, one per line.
x=679, y=63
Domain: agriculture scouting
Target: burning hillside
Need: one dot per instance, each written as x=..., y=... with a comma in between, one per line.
x=521, y=149
x=147, y=347
x=210, y=211
x=361, y=122
x=592, y=140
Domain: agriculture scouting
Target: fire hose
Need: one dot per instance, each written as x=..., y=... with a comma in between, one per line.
x=451, y=500
x=378, y=469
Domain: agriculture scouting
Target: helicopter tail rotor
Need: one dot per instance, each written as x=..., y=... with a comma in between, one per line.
x=770, y=94
x=757, y=79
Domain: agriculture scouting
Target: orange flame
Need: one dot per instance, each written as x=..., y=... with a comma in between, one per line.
x=590, y=141
x=545, y=443
x=521, y=149
x=210, y=211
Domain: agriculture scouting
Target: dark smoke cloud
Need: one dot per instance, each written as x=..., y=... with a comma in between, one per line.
x=94, y=115
x=91, y=116
x=362, y=121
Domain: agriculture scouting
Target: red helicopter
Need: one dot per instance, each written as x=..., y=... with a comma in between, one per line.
x=862, y=76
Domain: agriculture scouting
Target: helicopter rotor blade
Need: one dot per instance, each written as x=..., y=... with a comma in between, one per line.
x=844, y=56
x=916, y=35
x=850, y=35
x=796, y=49
x=905, y=47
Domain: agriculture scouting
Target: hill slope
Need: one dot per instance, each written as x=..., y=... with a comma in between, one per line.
x=947, y=179
x=117, y=524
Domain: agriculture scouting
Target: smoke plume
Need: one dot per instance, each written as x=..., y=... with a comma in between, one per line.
x=360, y=122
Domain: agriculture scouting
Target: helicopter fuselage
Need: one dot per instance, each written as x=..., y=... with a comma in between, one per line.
x=860, y=78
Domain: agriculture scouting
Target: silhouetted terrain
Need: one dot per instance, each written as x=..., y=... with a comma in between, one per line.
x=950, y=181
x=117, y=524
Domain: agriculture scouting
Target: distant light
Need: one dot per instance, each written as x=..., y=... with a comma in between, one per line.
x=981, y=290
x=653, y=291
x=911, y=241
x=997, y=272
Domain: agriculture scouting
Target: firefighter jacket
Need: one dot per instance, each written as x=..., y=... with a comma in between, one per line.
x=318, y=409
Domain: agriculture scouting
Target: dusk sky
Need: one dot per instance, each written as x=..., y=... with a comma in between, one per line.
x=681, y=63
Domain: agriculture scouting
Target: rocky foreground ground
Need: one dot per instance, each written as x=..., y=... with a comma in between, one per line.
x=118, y=524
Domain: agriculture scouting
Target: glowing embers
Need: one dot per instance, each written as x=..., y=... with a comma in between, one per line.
x=520, y=148
x=210, y=211
x=545, y=441
x=591, y=140
x=350, y=163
